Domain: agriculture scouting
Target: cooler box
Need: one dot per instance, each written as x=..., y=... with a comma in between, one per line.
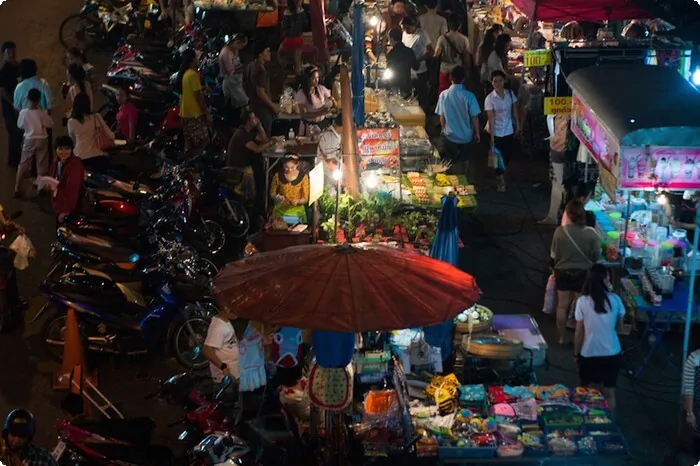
x=524, y=328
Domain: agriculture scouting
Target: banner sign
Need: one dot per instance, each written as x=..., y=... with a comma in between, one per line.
x=537, y=58
x=557, y=105
x=595, y=136
x=672, y=168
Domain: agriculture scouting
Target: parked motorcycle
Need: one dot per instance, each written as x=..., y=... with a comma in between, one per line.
x=101, y=22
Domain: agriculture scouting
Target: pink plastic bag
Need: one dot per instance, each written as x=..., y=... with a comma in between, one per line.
x=550, y=296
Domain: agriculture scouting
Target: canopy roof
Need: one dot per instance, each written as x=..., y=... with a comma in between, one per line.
x=641, y=105
x=581, y=10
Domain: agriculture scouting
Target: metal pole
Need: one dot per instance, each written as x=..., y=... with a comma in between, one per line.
x=627, y=223
x=358, y=60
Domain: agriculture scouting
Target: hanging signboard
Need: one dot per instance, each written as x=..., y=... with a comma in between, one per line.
x=673, y=168
x=607, y=181
x=536, y=58
x=557, y=105
x=595, y=136
x=378, y=148
x=316, y=181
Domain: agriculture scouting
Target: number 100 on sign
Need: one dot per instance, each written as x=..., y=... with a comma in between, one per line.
x=537, y=58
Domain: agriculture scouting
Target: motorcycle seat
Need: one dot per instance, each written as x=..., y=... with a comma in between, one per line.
x=95, y=246
x=136, y=431
x=116, y=274
x=147, y=455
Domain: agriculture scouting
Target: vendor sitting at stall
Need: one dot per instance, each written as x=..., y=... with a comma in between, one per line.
x=290, y=190
x=246, y=145
x=315, y=102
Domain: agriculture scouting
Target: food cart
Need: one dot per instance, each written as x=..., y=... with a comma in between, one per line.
x=644, y=149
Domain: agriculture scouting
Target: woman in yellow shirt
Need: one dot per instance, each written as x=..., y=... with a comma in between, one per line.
x=290, y=190
x=194, y=114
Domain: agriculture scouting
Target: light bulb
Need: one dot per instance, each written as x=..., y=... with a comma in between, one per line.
x=371, y=182
x=696, y=77
x=373, y=21
x=662, y=199
x=388, y=74
x=337, y=175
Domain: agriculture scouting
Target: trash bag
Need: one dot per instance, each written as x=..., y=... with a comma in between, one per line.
x=24, y=250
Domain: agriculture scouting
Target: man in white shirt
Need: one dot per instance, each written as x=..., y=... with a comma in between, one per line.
x=434, y=26
x=418, y=41
x=221, y=347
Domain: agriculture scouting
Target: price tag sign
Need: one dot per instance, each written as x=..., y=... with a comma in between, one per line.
x=557, y=105
x=316, y=181
x=536, y=58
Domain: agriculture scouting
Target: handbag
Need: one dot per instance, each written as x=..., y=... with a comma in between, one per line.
x=102, y=139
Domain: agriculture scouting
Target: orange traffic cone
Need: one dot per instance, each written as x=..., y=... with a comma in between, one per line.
x=73, y=355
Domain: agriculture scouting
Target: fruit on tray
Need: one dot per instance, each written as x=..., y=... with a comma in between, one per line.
x=442, y=180
x=476, y=314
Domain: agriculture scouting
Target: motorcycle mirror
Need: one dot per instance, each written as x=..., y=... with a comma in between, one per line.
x=225, y=384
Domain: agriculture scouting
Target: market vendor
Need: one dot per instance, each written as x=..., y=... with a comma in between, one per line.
x=400, y=60
x=395, y=14
x=315, y=102
x=682, y=210
x=290, y=190
x=244, y=149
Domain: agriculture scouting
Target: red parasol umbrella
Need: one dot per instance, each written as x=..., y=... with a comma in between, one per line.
x=356, y=288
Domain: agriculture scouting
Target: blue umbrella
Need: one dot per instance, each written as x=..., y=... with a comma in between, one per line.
x=445, y=248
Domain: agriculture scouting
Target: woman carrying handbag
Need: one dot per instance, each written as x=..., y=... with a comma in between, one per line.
x=90, y=133
x=501, y=107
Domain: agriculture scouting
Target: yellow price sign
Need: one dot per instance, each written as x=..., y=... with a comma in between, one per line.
x=557, y=105
x=535, y=58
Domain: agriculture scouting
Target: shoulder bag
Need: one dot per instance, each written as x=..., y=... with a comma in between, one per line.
x=102, y=139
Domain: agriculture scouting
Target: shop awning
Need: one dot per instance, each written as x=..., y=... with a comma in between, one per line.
x=581, y=10
x=641, y=105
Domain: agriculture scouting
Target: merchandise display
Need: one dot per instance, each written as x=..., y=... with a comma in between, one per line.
x=427, y=190
x=251, y=5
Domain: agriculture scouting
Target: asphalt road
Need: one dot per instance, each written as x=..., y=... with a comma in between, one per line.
x=503, y=246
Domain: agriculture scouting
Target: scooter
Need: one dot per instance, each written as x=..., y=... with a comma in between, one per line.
x=114, y=321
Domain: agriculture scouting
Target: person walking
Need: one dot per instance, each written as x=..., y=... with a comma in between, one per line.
x=9, y=76
x=231, y=69
x=400, y=60
x=292, y=25
x=28, y=74
x=501, y=106
x=599, y=314
x=459, y=119
x=257, y=86
x=16, y=447
x=453, y=50
x=194, y=113
x=35, y=123
x=575, y=249
x=417, y=40
x=85, y=128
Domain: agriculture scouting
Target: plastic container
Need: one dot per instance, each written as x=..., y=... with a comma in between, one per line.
x=637, y=246
x=653, y=252
x=666, y=253
x=637, y=204
x=679, y=234
x=612, y=246
x=615, y=217
x=661, y=234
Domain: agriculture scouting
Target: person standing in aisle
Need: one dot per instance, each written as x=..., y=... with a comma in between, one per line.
x=9, y=76
x=35, y=122
x=417, y=40
x=27, y=72
x=194, y=112
x=256, y=83
x=459, y=119
x=400, y=60
x=70, y=173
x=501, y=106
x=453, y=50
x=597, y=348
x=434, y=26
x=231, y=69
x=691, y=398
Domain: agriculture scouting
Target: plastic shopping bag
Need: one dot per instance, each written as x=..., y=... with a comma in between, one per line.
x=550, y=296
x=500, y=165
x=24, y=250
x=493, y=159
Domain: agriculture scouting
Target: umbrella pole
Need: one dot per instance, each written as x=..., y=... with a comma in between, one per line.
x=337, y=211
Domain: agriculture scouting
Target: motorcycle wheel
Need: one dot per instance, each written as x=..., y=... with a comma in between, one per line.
x=237, y=218
x=208, y=267
x=54, y=333
x=188, y=342
x=213, y=235
x=77, y=30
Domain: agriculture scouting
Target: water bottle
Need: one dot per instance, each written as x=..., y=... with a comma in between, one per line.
x=290, y=135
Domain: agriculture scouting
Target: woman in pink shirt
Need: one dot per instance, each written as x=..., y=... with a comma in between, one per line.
x=127, y=116
x=315, y=102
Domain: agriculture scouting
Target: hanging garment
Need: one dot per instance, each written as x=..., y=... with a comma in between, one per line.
x=252, y=361
x=286, y=347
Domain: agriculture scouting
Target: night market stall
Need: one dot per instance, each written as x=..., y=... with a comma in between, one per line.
x=645, y=149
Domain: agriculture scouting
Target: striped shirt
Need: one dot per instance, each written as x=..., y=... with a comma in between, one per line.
x=689, y=368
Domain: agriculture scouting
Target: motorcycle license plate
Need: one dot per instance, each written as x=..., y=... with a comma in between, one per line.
x=58, y=451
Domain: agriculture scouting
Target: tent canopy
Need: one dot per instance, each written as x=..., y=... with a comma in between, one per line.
x=581, y=10
x=641, y=105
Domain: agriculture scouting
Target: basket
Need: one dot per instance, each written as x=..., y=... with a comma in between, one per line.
x=484, y=326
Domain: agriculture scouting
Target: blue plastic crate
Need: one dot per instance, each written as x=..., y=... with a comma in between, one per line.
x=463, y=452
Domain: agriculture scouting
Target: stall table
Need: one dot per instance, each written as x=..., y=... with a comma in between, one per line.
x=272, y=157
x=659, y=319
